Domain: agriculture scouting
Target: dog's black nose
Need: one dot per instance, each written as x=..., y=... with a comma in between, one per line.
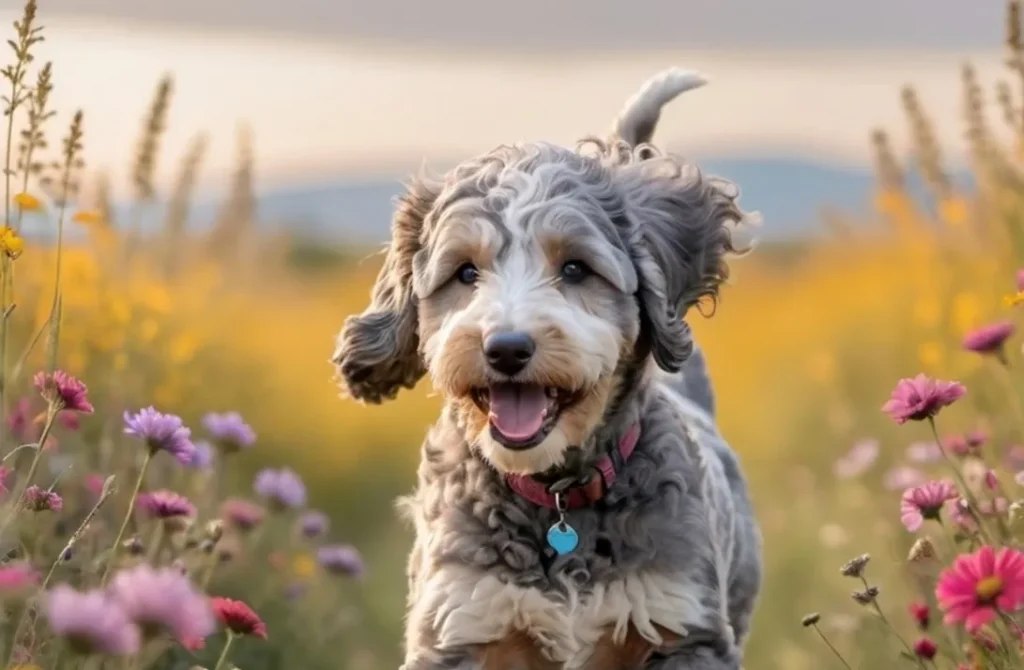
x=510, y=351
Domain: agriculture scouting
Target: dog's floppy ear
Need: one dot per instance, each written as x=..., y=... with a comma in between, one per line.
x=377, y=351
x=683, y=226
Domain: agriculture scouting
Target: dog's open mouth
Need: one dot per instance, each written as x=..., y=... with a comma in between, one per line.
x=521, y=415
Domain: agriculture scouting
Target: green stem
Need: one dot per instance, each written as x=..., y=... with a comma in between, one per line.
x=885, y=620
x=224, y=654
x=830, y=646
x=127, y=518
x=51, y=414
x=156, y=541
x=971, y=499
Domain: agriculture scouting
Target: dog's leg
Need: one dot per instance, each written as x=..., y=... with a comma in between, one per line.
x=703, y=657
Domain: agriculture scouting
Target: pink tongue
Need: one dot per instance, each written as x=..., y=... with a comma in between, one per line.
x=517, y=410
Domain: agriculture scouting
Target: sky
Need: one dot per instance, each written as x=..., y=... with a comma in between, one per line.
x=354, y=87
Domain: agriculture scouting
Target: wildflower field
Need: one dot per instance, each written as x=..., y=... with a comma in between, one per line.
x=181, y=485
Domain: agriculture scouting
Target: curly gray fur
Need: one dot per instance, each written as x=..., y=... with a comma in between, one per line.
x=672, y=552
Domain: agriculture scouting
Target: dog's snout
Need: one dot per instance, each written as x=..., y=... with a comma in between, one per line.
x=510, y=351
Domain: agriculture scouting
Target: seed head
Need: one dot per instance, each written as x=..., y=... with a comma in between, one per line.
x=810, y=619
x=855, y=567
x=865, y=597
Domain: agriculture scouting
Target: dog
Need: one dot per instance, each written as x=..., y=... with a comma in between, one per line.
x=576, y=506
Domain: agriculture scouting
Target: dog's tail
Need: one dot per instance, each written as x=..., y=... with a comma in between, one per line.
x=636, y=122
x=693, y=382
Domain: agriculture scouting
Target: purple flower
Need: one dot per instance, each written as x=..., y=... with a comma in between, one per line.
x=229, y=431
x=163, y=600
x=241, y=514
x=989, y=339
x=41, y=500
x=857, y=460
x=282, y=488
x=165, y=504
x=314, y=524
x=340, y=559
x=91, y=622
x=63, y=391
x=202, y=457
x=161, y=432
x=921, y=398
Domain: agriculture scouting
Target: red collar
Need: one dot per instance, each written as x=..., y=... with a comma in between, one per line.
x=579, y=496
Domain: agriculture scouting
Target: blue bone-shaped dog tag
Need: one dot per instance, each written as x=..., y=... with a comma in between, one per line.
x=563, y=538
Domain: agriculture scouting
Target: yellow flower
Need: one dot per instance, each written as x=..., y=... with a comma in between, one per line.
x=88, y=217
x=1014, y=300
x=10, y=243
x=303, y=566
x=28, y=202
x=953, y=211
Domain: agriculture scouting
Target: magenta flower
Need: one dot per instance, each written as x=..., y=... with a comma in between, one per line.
x=69, y=421
x=94, y=484
x=989, y=339
x=165, y=504
x=340, y=559
x=229, y=431
x=241, y=514
x=978, y=586
x=924, y=502
x=921, y=398
x=958, y=510
x=861, y=456
x=16, y=577
x=91, y=622
x=991, y=480
x=313, y=524
x=282, y=488
x=63, y=391
x=161, y=432
x=163, y=600
x=40, y=500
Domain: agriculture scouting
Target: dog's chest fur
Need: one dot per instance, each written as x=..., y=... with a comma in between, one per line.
x=644, y=574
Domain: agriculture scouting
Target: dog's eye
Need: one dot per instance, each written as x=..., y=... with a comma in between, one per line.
x=467, y=274
x=573, y=272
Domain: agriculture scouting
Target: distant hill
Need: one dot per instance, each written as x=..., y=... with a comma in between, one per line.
x=789, y=193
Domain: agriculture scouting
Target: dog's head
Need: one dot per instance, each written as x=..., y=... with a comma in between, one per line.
x=530, y=281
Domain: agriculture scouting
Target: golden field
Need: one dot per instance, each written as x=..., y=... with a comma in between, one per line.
x=804, y=348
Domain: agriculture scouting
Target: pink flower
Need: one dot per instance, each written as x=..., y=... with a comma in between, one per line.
x=957, y=445
x=921, y=614
x=995, y=507
x=165, y=504
x=91, y=622
x=921, y=398
x=978, y=586
x=924, y=452
x=903, y=477
x=861, y=456
x=163, y=600
x=959, y=513
x=94, y=484
x=991, y=480
x=924, y=502
x=1020, y=279
x=1015, y=457
x=241, y=514
x=989, y=339
x=64, y=391
x=15, y=577
x=19, y=419
x=41, y=500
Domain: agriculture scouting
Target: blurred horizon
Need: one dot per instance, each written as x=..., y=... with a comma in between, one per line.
x=345, y=110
